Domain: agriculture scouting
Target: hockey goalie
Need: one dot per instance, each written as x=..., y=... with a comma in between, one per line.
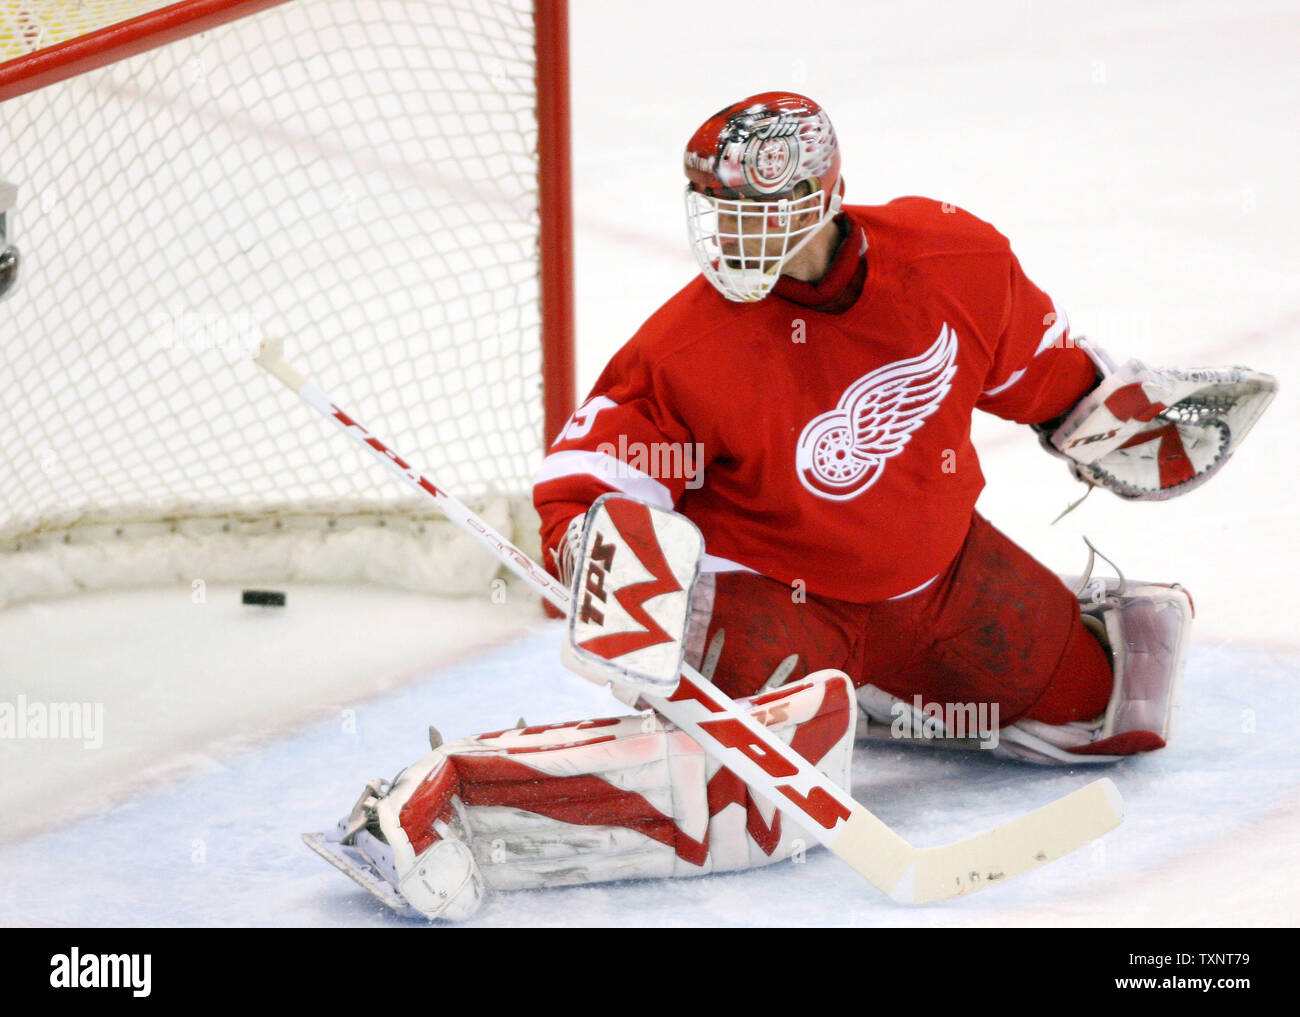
x=816, y=552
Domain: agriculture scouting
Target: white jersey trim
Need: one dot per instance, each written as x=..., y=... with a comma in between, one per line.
x=1056, y=330
x=918, y=589
x=608, y=470
x=1015, y=377
x=711, y=563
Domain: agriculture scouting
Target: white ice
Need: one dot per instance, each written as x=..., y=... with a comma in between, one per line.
x=1141, y=159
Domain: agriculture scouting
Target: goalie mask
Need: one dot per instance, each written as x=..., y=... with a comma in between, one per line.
x=764, y=177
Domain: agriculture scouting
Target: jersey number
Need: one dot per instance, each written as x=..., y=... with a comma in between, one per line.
x=580, y=424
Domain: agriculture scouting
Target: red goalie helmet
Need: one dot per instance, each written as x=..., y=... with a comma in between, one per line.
x=744, y=207
x=763, y=147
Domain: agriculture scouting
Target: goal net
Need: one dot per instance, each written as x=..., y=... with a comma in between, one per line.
x=359, y=177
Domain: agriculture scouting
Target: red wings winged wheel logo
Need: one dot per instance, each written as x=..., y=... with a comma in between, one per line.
x=843, y=452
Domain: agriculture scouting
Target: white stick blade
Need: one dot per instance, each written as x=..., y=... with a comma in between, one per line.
x=1019, y=846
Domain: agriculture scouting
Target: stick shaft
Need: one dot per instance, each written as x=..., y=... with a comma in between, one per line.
x=455, y=510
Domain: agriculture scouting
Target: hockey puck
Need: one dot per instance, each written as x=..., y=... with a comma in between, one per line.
x=264, y=598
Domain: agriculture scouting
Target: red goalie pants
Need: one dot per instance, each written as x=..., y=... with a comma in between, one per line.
x=995, y=627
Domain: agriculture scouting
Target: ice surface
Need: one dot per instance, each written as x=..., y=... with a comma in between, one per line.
x=222, y=847
x=1141, y=158
x=173, y=683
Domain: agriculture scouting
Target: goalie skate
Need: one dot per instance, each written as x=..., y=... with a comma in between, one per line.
x=358, y=854
x=358, y=849
x=354, y=864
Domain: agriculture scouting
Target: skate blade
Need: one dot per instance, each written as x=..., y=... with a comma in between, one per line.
x=355, y=866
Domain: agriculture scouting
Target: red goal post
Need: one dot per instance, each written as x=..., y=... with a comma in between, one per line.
x=377, y=180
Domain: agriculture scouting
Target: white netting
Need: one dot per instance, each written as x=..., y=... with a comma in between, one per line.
x=359, y=177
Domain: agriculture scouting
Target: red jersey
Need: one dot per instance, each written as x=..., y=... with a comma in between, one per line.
x=822, y=435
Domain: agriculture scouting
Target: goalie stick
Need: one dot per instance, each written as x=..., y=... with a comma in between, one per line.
x=908, y=874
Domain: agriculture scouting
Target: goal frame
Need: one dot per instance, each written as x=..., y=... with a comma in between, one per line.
x=177, y=21
x=174, y=22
